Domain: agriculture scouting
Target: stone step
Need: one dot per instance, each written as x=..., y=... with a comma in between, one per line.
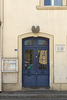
x=20, y=94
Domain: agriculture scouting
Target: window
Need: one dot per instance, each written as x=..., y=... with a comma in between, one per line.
x=28, y=59
x=52, y=5
x=42, y=59
x=52, y=2
x=42, y=42
x=28, y=42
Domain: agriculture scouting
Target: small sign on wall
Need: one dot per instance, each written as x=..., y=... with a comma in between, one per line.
x=60, y=47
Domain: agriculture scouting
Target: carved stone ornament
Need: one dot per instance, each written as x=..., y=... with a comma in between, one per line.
x=35, y=29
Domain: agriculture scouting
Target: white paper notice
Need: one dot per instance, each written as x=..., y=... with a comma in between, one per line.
x=12, y=66
x=6, y=61
x=12, y=62
x=60, y=47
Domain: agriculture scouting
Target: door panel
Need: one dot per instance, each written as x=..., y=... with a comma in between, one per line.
x=42, y=80
x=35, y=63
x=42, y=67
x=29, y=77
x=29, y=80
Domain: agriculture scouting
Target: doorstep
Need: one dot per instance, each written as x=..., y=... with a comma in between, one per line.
x=33, y=94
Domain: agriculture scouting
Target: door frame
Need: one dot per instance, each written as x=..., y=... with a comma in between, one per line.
x=51, y=55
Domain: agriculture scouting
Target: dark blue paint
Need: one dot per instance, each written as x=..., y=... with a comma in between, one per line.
x=47, y=2
x=15, y=49
x=29, y=77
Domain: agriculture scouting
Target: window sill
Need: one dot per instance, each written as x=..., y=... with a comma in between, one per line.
x=51, y=7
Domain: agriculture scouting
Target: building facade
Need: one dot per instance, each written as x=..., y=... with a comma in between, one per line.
x=33, y=44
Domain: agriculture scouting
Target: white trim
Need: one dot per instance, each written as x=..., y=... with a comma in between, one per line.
x=1, y=38
x=2, y=65
x=51, y=59
x=52, y=2
x=41, y=2
x=64, y=2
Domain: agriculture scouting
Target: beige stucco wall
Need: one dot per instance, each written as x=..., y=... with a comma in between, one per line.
x=0, y=44
x=19, y=17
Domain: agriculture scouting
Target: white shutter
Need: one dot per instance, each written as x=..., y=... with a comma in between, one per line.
x=64, y=2
x=41, y=2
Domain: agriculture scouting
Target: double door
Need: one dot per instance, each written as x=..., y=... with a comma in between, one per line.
x=35, y=62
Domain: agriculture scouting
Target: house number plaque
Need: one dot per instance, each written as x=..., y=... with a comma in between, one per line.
x=60, y=47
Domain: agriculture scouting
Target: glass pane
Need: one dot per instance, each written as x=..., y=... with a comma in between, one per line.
x=42, y=42
x=28, y=59
x=58, y=2
x=42, y=59
x=47, y=2
x=40, y=66
x=28, y=42
x=40, y=54
x=28, y=54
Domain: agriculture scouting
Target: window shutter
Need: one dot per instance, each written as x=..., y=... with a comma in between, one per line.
x=58, y=2
x=41, y=2
x=64, y=2
x=47, y=2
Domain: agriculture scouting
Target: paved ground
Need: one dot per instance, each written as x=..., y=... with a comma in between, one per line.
x=35, y=99
x=34, y=95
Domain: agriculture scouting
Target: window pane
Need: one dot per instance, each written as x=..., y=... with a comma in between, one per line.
x=58, y=2
x=47, y=2
x=28, y=42
x=42, y=59
x=28, y=59
x=42, y=42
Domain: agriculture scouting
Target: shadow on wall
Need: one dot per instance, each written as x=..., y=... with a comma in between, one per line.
x=0, y=23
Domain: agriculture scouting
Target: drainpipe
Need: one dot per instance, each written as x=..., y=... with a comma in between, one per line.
x=1, y=39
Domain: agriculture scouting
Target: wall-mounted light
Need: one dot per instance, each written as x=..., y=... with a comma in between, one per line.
x=35, y=29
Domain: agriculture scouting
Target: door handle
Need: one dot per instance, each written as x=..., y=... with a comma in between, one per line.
x=36, y=56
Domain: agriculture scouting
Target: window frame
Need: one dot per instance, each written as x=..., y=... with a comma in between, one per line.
x=41, y=6
x=52, y=3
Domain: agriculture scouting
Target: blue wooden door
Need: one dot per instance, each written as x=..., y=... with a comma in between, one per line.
x=35, y=62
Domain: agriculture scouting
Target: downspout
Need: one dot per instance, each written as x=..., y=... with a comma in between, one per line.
x=1, y=38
